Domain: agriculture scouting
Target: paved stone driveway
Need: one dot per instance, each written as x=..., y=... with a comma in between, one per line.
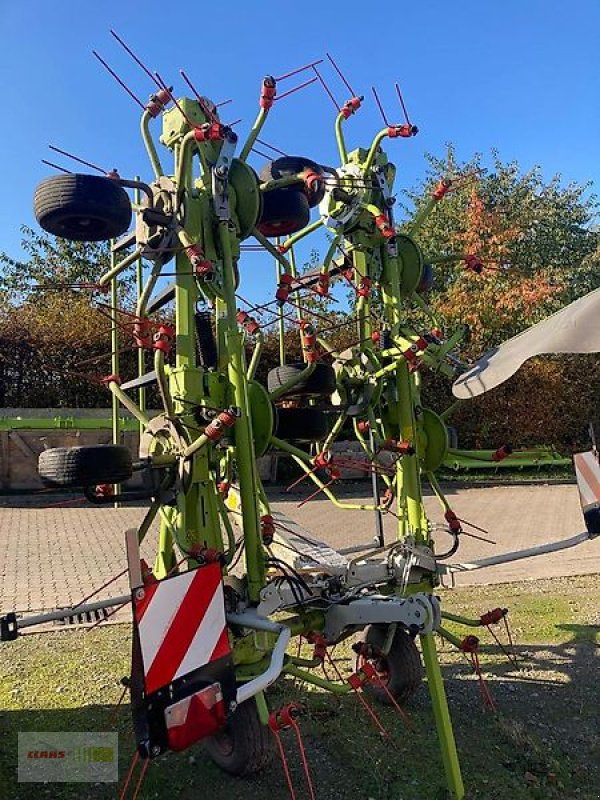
x=55, y=556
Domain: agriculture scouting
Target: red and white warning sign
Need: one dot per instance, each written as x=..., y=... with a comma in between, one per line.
x=587, y=470
x=181, y=625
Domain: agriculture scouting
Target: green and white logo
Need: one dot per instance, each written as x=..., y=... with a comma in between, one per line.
x=66, y=757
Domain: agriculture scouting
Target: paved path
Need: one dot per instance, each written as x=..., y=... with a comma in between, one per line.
x=55, y=556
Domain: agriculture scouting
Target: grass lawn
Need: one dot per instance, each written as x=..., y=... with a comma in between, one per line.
x=544, y=741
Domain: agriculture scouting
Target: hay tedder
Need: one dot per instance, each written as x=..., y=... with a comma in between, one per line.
x=233, y=582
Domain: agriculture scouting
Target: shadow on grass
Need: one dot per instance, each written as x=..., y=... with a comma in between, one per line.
x=547, y=708
x=542, y=743
x=189, y=775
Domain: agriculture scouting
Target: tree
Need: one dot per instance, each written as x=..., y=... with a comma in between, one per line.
x=534, y=238
x=540, y=252
x=51, y=261
x=43, y=344
x=53, y=341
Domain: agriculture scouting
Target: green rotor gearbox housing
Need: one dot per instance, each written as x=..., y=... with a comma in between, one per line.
x=412, y=264
x=433, y=441
x=246, y=198
x=263, y=416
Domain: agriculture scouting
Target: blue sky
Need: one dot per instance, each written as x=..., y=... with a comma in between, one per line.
x=519, y=76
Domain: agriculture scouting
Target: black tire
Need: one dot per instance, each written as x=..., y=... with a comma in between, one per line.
x=295, y=165
x=84, y=208
x=427, y=279
x=245, y=746
x=85, y=466
x=301, y=425
x=284, y=212
x=401, y=669
x=320, y=383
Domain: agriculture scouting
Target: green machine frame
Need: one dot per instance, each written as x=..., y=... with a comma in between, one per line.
x=212, y=201
x=217, y=419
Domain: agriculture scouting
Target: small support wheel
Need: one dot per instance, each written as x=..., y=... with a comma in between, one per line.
x=301, y=424
x=83, y=208
x=285, y=211
x=401, y=669
x=245, y=746
x=320, y=383
x=297, y=165
x=78, y=467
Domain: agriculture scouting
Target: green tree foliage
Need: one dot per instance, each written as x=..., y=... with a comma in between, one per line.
x=49, y=349
x=541, y=251
x=535, y=238
x=54, y=343
x=51, y=261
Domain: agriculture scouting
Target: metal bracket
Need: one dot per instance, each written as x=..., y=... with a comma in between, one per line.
x=132, y=547
x=516, y=555
x=419, y=613
x=10, y=624
x=220, y=177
